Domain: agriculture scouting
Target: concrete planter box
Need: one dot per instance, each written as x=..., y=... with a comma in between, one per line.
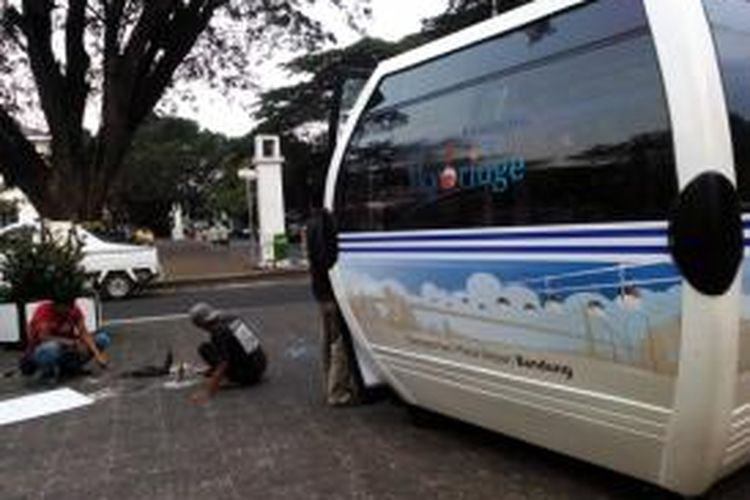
x=10, y=325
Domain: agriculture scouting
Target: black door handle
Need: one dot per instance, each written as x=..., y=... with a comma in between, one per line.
x=705, y=233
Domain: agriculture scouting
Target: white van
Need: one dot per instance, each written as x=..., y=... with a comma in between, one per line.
x=118, y=270
x=540, y=231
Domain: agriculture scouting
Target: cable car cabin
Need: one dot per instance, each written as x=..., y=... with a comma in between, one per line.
x=540, y=231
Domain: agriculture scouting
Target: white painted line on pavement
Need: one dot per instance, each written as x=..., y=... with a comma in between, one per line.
x=168, y=289
x=41, y=404
x=146, y=319
x=171, y=317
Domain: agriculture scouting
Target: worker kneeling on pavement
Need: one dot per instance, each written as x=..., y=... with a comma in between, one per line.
x=233, y=352
x=59, y=344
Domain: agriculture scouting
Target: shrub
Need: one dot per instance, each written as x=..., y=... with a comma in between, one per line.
x=39, y=266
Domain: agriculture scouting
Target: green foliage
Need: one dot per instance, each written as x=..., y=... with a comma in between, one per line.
x=299, y=114
x=174, y=161
x=171, y=160
x=280, y=246
x=47, y=268
x=284, y=109
x=124, y=59
x=228, y=194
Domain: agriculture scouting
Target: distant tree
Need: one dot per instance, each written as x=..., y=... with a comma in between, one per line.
x=290, y=108
x=171, y=161
x=303, y=160
x=63, y=55
x=227, y=194
x=299, y=113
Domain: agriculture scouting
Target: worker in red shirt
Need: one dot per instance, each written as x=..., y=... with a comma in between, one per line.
x=59, y=344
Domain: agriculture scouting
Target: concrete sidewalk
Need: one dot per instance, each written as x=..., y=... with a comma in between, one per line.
x=194, y=262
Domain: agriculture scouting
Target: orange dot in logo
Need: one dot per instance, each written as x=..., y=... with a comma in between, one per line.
x=448, y=178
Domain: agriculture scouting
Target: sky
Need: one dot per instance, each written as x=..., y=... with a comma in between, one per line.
x=391, y=20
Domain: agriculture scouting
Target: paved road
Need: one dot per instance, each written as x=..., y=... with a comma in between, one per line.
x=233, y=297
x=143, y=439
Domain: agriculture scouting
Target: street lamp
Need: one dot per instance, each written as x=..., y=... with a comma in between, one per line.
x=249, y=175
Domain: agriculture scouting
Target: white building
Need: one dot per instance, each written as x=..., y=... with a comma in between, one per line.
x=14, y=205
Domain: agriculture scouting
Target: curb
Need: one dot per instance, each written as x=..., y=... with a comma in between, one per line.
x=229, y=278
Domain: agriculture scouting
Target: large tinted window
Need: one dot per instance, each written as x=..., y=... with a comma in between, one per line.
x=731, y=26
x=561, y=121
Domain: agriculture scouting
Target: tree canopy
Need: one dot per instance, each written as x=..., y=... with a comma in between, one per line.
x=122, y=55
x=286, y=109
x=171, y=161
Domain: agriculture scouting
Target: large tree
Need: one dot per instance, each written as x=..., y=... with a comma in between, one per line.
x=123, y=55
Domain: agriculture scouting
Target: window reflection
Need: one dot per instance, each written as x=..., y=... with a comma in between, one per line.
x=730, y=20
x=579, y=136
x=534, y=42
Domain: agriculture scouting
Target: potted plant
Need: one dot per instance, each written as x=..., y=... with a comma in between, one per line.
x=40, y=266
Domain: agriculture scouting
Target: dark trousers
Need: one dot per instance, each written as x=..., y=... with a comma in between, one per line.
x=52, y=356
x=342, y=381
x=248, y=371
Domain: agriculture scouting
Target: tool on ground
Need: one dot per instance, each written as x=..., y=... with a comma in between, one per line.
x=152, y=370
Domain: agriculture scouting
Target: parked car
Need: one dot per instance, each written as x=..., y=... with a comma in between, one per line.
x=218, y=234
x=117, y=269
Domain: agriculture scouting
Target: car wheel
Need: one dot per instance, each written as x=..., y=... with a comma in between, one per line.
x=117, y=285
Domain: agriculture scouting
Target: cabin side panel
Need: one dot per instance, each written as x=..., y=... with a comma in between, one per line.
x=503, y=244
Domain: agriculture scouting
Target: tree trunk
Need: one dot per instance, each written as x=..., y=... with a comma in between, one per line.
x=73, y=184
x=55, y=186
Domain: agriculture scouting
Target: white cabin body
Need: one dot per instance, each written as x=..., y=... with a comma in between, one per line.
x=526, y=217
